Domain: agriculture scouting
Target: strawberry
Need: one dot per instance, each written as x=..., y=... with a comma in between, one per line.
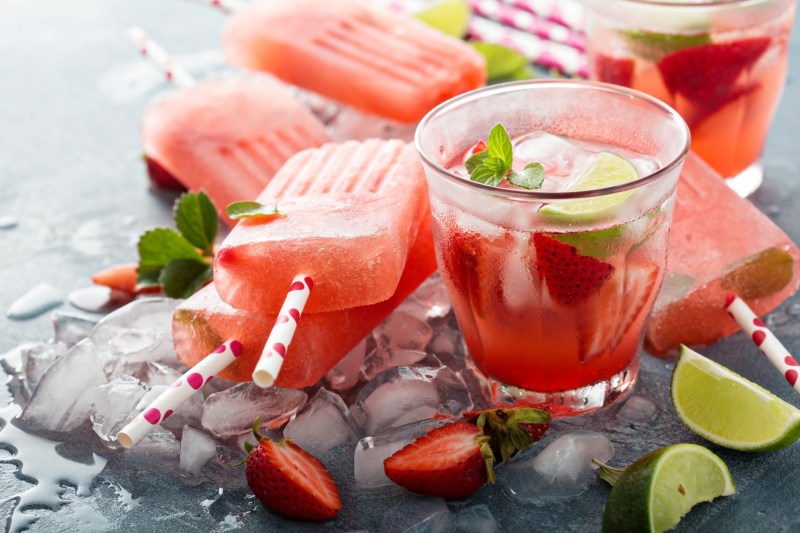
x=122, y=278
x=160, y=176
x=461, y=253
x=707, y=73
x=289, y=480
x=452, y=462
x=641, y=281
x=479, y=147
x=571, y=278
x=512, y=429
x=616, y=70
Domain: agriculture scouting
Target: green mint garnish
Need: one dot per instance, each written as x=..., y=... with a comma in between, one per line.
x=654, y=46
x=494, y=164
x=238, y=210
x=502, y=63
x=171, y=259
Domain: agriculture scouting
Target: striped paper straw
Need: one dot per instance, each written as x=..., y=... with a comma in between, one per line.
x=548, y=54
x=180, y=391
x=568, y=13
x=528, y=22
x=271, y=360
x=767, y=342
x=152, y=50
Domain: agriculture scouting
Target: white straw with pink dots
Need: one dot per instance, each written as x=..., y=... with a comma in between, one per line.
x=152, y=50
x=271, y=360
x=766, y=341
x=180, y=391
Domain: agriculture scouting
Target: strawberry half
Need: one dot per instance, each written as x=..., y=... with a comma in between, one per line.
x=451, y=462
x=571, y=278
x=707, y=73
x=616, y=70
x=461, y=255
x=512, y=429
x=289, y=480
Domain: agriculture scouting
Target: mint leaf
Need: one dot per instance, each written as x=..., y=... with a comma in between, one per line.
x=160, y=246
x=238, y=210
x=183, y=277
x=654, y=46
x=502, y=63
x=475, y=160
x=197, y=220
x=530, y=177
x=499, y=145
x=486, y=175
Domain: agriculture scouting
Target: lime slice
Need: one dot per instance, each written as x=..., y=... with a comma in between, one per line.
x=658, y=489
x=725, y=408
x=448, y=16
x=606, y=170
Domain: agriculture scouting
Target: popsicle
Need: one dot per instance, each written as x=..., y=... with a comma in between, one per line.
x=352, y=212
x=719, y=244
x=374, y=60
x=203, y=321
x=227, y=136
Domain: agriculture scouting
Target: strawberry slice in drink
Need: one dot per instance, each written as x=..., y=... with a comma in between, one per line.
x=610, y=69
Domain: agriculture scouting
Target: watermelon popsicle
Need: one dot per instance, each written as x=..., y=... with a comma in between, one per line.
x=227, y=136
x=374, y=60
x=351, y=213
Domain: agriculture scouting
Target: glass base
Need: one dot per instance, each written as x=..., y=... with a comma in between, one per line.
x=747, y=181
x=562, y=403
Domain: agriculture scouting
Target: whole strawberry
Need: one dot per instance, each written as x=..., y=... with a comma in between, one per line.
x=452, y=462
x=289, y=480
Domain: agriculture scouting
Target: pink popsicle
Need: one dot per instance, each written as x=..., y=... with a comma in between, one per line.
x=377, y=61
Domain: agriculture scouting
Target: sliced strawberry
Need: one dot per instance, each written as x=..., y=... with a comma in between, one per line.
x=451, y=462
x=571, y=278
x=703, y=110
x=290, y=481
x=707, y=73
x=122, y=278
x=512, y=429
x=161, y=177
x=640, y=286
x=479, y=147
x=616, y=70
x=462, y=254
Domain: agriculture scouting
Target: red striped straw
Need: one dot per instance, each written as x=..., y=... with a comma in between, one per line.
x=767, y=342
x=153, y=51
x=180, y=391
x=548, y=54
x=271, y=360
x=568, y=13
x=529, y=22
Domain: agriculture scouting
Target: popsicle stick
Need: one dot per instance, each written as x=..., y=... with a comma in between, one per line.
x=228, y=6
x=568, y=13
x=767, y=342
x=271, y=360
x=528, y=22
x=180, y=391
x=152, y=50
x=547, y=54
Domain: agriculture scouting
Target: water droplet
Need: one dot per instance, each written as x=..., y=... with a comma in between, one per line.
x=97, y=299
x=34, y=302
x=8, y=222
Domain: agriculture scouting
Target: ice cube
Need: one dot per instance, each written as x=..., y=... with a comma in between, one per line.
x=70, y=328
x=115, y=405
x=638, y=411
x=159, y=374
x=188, y=413
x=37, y=359
x=445, y=340
x=98, y=299
x=563, y=469
x=65, y=393
x=232, y=411
x=322, y=424
x=197, y=447
x=346, y=373
x=557, y=155
x=373, y=450
x=429, y=302
x=419, y=514
x=396, y=395
x=384, y=357
x=476, y=519
x=158, y=448
x=350, y=124
x=403, y=331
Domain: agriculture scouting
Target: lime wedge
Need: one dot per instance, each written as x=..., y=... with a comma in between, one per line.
x=658, y=489
x=725, y=408
x=606, y=170
x=448, y=16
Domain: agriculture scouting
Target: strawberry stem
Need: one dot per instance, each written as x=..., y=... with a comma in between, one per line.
x=610, y=474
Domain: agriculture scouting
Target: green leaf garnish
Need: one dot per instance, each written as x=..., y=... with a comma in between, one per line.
x=183, y=277
x=499, y=145
x=159, y=247
x=502, y=63
x=654, y=46
x=476, y=160
x=531, y=177
x=197, y=220
x=489, y=176
x=238, y=210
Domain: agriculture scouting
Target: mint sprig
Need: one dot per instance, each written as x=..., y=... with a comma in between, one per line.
x=494, y=164
x=180, y=261
x=238, y=210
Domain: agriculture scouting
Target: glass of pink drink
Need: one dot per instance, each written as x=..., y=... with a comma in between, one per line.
x=551, y=287
x=721, y=64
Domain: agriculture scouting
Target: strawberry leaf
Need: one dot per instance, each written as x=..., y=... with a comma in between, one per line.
x=183, y=277
x=197, y=220
x=160, y=246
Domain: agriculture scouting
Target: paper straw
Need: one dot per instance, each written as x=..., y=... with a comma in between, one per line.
x=547, y=54
x=766, y=341
x=269, y=365
x=568, y=13
x=180, y=391
x=152, y=50
x=228, y=6
x=528, y=22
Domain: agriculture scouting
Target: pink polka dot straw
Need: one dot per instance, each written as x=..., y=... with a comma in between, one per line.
x=180, y=391
x=271, y=360
x=153, y=51
x=766, y=341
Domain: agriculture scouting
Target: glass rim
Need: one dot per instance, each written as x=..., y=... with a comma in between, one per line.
x=538, y=195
